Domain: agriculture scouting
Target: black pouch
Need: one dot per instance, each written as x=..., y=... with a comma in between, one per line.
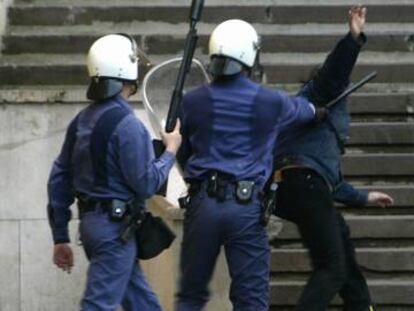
x=153, y=237
x=244, y=191
x=118, y=210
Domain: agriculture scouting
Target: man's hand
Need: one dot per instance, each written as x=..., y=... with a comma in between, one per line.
x=172, y=141
x=380, y=199
x=63, y=257
x=356, y=20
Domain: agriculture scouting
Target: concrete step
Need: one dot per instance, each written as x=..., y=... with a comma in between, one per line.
x=372, y=259
x=295, y=67
x=370, y=102
x=43, y=69
x=367, y=227
x=374, y=89
x=384, y=292
x=280, y=67
x=401, y=103
x=271, y=12
x=159, y=37
x=378, y=165
x=378, y=133
x=40, y=94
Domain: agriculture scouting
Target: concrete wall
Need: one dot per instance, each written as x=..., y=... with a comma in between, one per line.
x=30, y=138
x=4, y=4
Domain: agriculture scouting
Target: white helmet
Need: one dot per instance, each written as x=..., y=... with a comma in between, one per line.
x=112, y=60
x=233, y=43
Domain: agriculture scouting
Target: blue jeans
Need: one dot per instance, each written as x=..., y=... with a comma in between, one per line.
x=210, y=224
x=114, y=277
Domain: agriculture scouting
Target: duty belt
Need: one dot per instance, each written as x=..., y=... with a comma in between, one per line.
x=116, y=209
x=223, y=188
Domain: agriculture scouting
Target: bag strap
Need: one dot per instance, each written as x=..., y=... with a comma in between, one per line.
x=99, y=142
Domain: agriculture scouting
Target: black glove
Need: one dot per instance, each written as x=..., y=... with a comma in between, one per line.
x=321, y=113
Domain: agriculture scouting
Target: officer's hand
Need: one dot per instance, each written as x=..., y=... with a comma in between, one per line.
x=380, y=199
x=172, y=141
x=356, y=20
x=321, y=113
x=63, y=257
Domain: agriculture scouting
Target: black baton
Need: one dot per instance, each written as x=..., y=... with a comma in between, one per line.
x=352, y=89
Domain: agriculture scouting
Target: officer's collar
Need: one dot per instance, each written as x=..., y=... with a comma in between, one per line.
x=229, y=79
x=123, y=102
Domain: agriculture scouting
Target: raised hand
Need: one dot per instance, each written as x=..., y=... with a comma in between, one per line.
x=356, y=20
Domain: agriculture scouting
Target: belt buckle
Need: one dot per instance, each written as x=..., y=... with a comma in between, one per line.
x=277, y=176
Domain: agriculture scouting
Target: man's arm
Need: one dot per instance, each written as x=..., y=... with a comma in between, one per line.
x=145, y=173
x=61, y=197
x=60, y=188
x=333, y=77
x=349, y=195
x=295, y=110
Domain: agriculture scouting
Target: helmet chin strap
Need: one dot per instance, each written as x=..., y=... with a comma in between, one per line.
x=257, y=71
x=134, y=87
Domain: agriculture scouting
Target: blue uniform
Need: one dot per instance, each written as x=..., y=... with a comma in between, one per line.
x=230, y=127
x=129, y=170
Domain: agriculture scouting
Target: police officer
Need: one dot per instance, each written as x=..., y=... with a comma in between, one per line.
x=307, y=160
x=229, y=128
x=107, y=160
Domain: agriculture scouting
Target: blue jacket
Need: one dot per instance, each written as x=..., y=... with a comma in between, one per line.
x=231, y=125
x=131, y=169
x=320, y=146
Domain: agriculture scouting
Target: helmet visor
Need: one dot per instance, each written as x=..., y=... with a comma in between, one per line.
x=224, y=66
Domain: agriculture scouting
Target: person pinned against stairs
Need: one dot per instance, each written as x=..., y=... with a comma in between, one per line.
x=308, y=172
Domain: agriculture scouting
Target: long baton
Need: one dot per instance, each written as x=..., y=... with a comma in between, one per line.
x=352, y=89
x=190, y=45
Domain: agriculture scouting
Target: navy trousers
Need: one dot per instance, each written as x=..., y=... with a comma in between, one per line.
x=114, y=277
x=208, y=225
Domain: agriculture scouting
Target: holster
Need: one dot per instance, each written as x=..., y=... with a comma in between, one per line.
x=194, y=188
x=134, y=220
x=268, y=203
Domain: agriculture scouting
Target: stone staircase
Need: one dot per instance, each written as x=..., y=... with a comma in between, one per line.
x=43, y=61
